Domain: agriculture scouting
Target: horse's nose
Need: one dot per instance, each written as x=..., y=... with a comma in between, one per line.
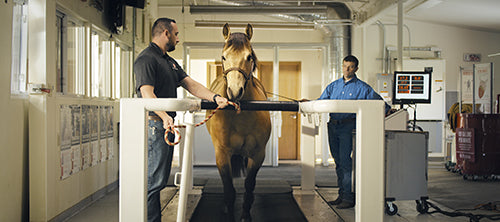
x=240, y=93
x=235, y=94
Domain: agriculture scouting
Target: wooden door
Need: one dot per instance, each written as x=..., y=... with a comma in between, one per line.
x=289, y=74
x=214, y=70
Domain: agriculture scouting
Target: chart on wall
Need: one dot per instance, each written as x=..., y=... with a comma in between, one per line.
x=65, y=132
x=70, y=139
x=483, y=87
x=467, y=84
x=86, y=158
x=86, y=137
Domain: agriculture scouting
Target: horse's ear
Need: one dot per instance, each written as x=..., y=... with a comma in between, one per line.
x=225, y=31
x=249, y=31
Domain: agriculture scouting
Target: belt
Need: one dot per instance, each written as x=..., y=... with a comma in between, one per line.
x=341, y=121
x=157, y=118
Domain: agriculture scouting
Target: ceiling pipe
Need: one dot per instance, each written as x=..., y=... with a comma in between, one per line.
x=335, y=24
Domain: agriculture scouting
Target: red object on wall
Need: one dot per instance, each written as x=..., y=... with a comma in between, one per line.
x=484, y=144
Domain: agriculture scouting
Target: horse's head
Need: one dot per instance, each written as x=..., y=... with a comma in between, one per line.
x=238, y=61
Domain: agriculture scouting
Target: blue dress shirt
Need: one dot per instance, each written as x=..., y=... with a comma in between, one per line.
x=354, y=89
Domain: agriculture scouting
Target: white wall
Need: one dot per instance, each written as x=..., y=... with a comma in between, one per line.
x=55, y=194
x=453, y=41
x=188, y=33
x=13, y=132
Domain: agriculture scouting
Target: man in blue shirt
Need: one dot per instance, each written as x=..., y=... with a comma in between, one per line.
x=341, y=126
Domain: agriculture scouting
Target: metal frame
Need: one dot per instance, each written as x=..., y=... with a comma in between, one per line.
x=325, y=80
x=133, y=159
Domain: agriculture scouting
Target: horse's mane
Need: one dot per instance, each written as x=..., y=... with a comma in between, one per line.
x=239, y=41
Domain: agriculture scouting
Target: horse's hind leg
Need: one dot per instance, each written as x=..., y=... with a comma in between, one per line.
x=223, y=164
x=253, y=167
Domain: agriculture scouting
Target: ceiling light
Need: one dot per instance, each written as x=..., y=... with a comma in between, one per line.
x=255, y=24
x=211, y=9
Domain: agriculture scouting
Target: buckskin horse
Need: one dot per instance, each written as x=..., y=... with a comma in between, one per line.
x=239, y=138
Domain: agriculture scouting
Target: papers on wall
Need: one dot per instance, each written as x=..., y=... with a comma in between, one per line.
x=467, y=84
x=86, y=137
x=482, y=86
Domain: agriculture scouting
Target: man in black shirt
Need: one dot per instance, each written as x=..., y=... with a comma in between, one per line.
x=157, y=76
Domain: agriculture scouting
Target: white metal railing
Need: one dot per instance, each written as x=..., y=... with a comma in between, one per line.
x=133, y=160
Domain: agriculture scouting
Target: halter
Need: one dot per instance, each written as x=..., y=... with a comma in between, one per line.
x=247, y=76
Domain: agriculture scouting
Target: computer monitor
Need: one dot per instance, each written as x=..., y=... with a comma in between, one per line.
x=411, y=87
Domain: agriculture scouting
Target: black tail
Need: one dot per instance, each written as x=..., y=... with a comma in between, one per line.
x=238, y=165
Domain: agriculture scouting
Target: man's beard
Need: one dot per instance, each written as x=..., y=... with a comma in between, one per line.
x=170, y=47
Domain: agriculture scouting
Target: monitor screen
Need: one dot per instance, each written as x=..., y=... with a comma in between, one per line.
x=411, y=87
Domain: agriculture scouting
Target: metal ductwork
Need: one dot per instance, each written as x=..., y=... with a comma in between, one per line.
x=335, y=25
x=337, y=32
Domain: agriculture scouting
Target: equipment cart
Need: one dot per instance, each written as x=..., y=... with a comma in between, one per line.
x=406, y=169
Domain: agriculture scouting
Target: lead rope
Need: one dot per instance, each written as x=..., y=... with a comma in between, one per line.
x=177, y=133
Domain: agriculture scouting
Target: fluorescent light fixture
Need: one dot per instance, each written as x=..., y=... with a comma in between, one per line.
x=243, y=24
x=493, y=55
x=213, y=9
x=430, y=3
x=424, y=5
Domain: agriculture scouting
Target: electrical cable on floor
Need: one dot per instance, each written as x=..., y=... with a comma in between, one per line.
x=491, y=206
x=472, y=217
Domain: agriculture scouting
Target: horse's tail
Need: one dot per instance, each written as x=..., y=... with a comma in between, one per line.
x=238, y=165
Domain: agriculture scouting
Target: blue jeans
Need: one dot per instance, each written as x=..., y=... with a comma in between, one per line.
x=340, y=141
x=159, y=165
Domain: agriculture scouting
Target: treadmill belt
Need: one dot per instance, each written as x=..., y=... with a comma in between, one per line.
x=273, y=202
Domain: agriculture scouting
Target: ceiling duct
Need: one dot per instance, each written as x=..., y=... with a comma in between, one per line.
x=335, y=23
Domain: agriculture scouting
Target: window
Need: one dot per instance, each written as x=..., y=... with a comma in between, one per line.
x=19, y=48
x=117, y=71
x=71, y=60
x=76, y=58
x=101, y=65
x=121, y=71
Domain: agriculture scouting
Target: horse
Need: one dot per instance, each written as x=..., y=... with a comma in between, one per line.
x=239, y=138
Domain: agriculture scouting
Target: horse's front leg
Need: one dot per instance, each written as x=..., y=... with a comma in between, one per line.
x=253, y=167
x=223, y=164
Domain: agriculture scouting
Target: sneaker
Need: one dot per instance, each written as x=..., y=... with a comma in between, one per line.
x=336, y=201
x=345, y=205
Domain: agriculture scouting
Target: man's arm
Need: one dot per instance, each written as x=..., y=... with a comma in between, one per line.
x=147, y=91
x=202, y=92
x=375, y=96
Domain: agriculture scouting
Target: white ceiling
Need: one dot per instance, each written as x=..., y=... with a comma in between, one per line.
x=474, y=14
x=481, y=15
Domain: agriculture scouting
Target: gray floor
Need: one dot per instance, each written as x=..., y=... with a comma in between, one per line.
x=446, y=190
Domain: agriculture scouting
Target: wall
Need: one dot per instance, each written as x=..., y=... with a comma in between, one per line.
x=53, y=196
x=189, y=33
x=453, y=41
x=50, y=196
x=13, y=132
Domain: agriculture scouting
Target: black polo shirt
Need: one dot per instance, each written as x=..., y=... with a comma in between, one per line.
x=158, y=69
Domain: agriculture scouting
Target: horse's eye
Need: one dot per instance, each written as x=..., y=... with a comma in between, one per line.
x=249, y=58
x=223, y=58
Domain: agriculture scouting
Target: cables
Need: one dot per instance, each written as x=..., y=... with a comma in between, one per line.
x=472, y=217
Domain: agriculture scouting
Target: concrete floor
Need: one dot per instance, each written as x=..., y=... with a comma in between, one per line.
x=446, y=190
